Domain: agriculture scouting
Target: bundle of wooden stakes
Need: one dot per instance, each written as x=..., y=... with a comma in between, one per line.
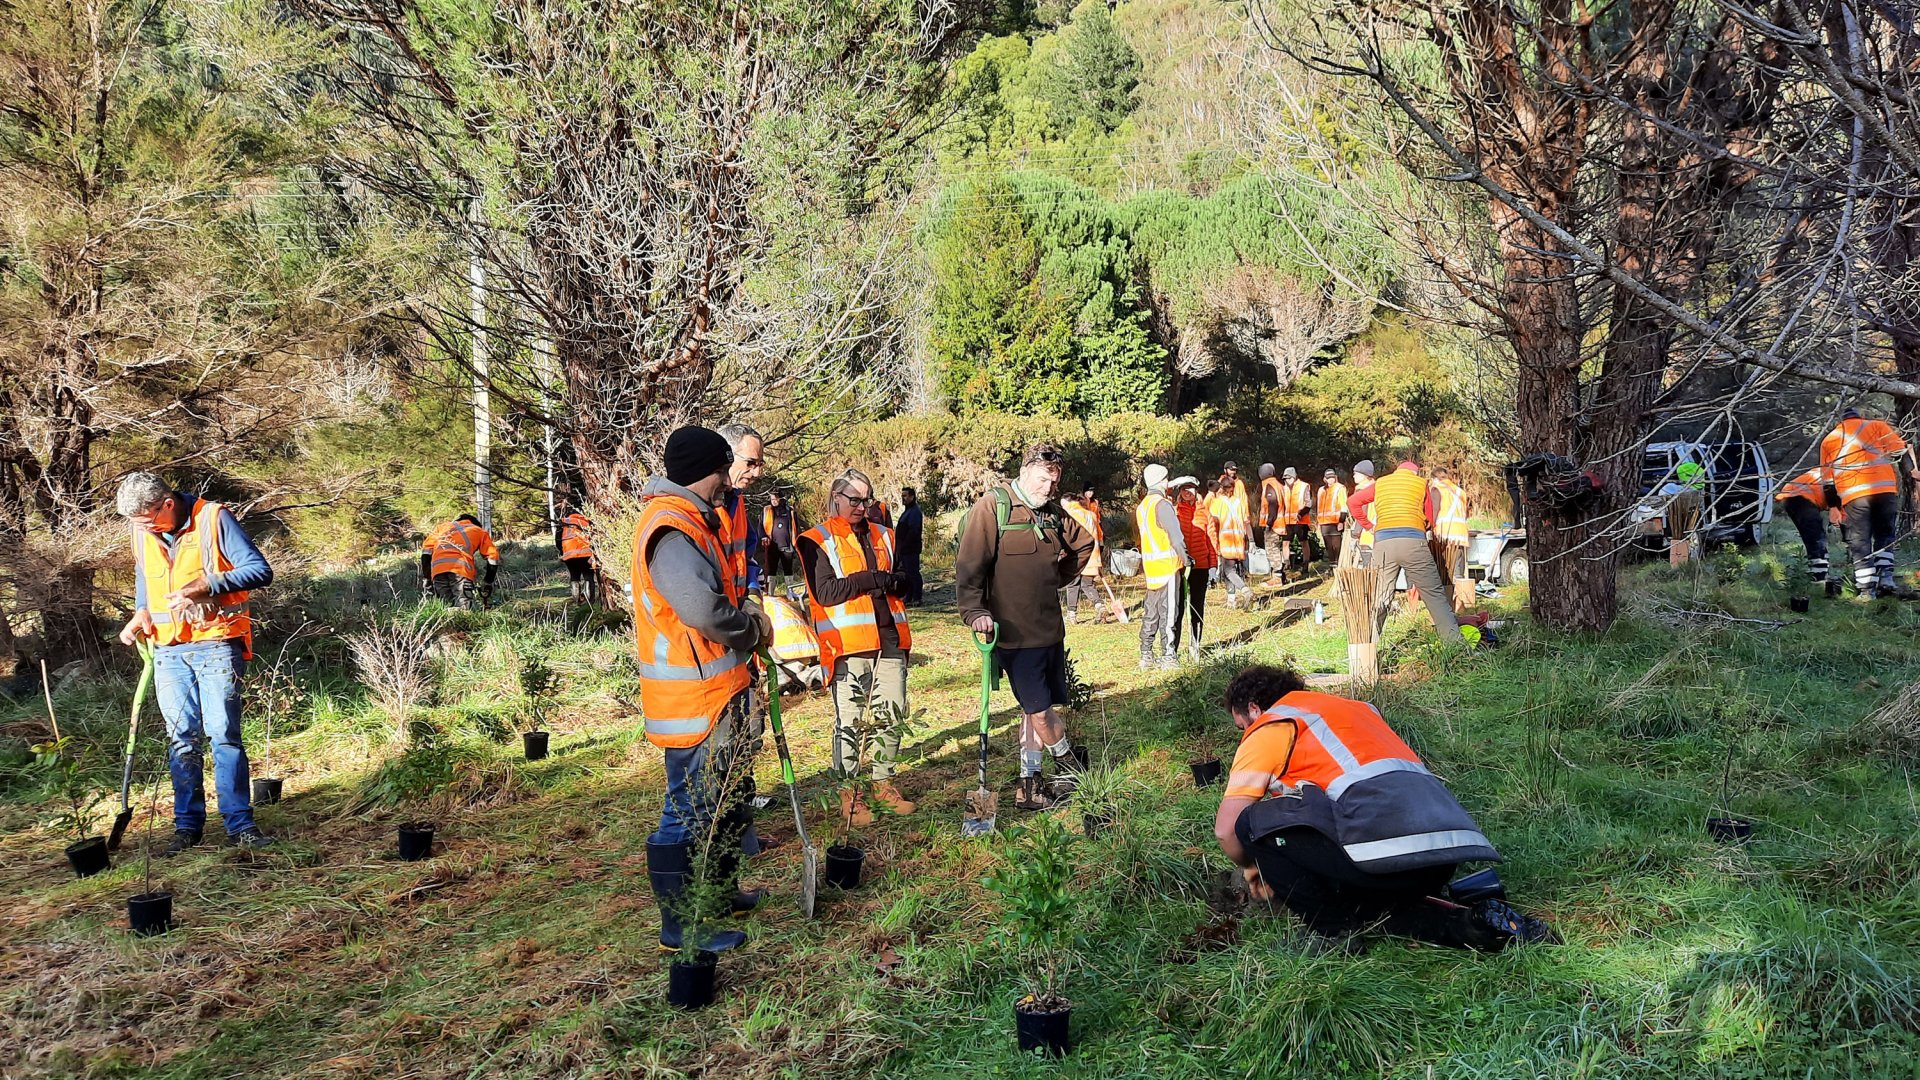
x=1356, y=608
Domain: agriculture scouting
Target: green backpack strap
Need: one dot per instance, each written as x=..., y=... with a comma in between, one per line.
x=1003, y=512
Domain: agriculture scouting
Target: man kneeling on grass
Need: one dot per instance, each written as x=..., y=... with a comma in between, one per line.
x=1333, y=814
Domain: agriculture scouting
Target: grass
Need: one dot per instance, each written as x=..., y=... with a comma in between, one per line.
x=525, y=947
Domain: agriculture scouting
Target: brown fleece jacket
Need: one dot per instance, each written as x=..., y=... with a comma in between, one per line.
x=1016, y=576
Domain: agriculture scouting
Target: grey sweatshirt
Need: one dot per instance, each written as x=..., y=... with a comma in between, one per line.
x=690, y=581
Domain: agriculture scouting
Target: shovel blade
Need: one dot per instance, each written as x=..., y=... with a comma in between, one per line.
x=120, y=822
x=982, y=807
x=809, y=878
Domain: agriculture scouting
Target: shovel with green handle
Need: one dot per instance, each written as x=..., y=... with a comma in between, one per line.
x=809, y=855
x=125, y=816
x=983, y=804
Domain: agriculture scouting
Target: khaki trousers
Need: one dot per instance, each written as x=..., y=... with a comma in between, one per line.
x=873, y=689
x=1411, y=554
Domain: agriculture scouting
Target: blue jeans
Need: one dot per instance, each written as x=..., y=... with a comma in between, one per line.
x=704, y=780
x=198, y=685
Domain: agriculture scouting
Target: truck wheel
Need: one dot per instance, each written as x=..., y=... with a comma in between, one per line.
x=1513, y=568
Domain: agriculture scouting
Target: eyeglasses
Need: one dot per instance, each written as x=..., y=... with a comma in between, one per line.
x=857, y=500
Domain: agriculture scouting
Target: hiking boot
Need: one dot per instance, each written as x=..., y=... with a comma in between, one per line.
x=251, y=838
x=887, y=795
x=1031, y=797
x=1523, y=929
x=853, y=809
x=1067, y=768
x=182, y=840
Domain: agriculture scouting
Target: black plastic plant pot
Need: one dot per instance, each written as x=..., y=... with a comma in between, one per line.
x=150, y=913
x=1833, y=588
x=535, y=743
x=690, y=983
x=1730, y=830
x=843, y=866
x=1797, y=603
x=266, y=791
x=1205, y=771
x=416, y=840
x=88, y=857
x=1095, y=824
x=1042, y=1029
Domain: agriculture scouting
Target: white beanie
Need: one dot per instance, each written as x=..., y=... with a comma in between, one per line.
x=1155, y=478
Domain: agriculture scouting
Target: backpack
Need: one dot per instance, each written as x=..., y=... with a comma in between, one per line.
x=1003, y=512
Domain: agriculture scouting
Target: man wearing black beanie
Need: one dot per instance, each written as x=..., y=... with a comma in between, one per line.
x=696, y=630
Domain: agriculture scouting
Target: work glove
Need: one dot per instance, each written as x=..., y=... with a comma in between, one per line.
x=763, y=626
x=867, y=580
x=896, y=583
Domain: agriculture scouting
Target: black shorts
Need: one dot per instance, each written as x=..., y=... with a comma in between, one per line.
x=1038, y=676
x=1298, y=532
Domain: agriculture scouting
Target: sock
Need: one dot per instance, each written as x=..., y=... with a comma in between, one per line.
x=1061, y=748
x=1030, y=762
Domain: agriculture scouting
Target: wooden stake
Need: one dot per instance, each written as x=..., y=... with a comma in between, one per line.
x=46, y=688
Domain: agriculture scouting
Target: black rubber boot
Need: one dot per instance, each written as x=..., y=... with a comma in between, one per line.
x=725, y=866
x=669, y=866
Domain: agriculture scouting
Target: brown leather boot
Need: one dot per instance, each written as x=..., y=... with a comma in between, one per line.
x=853, y=809
x=886, y=793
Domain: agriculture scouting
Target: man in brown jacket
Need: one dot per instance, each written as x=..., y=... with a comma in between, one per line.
x=1018, y=548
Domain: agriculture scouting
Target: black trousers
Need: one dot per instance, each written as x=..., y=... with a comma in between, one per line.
x=1811, y=522
x=457, y=591
x=1196, y=604
x=1314, y=878
x=580, y=569
x=916, y=582
x=1871, y=524
x=1330, y=536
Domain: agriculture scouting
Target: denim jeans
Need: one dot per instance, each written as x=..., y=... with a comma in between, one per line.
x=198, y=686
x=704, y=781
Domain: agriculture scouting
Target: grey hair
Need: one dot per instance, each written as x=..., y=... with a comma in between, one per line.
x=846, y=480
x=142, y=493
x=736, y=433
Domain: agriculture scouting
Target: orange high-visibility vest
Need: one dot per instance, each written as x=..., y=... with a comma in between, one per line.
x=453, y=547
x=575, y=537
x=793, y=635
x=1400, y=501
x=1387, y=807
x=1805, y=486
x=852, y=627
x=197, y=550
x=1296, y=503
x=733, y=530
x=1230, y=522
x=1450, y=512
x=686, y=680
x=1157, y=560
x=1270, y=488
x=1089, y=519
x=1857, y=458
x=1332, y=503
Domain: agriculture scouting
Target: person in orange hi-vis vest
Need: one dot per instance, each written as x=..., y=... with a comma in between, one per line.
x=742, y=535
x=1858, y=457
x=194, y=568
x=1202, y=557
x=1330, y=511
x=1230, y=528
x=695, y=631
x=1805, y=502
x=1085, y=509
x=854, y=593
x=573, y=537
x=1296, y=518
x=457, y=558
x=1400, y=509
x=1270, y=530
x=1328, y=810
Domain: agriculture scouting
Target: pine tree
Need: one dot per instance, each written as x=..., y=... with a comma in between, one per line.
x=1099, y=81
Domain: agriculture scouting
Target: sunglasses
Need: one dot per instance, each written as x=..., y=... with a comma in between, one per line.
x=1047, y=457
x=753, y=461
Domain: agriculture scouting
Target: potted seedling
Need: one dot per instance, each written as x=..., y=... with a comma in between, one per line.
x=1100, y=792
x=1036, y=885
x=702, y=897
x=539, y=684
x=276, y=694
x=1205, y=770
x=64, y=760
x=150, y=911
x=1727, y=828
x=883, y=724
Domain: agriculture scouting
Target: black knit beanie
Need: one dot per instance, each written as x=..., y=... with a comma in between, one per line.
x=695, y=453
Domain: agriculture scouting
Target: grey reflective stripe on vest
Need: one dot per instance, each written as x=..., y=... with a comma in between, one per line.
x=692, y=726
x=660, y=668
x=1370, y=770
x=1396, y=846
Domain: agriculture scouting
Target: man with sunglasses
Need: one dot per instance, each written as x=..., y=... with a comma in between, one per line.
x=1018, y=548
